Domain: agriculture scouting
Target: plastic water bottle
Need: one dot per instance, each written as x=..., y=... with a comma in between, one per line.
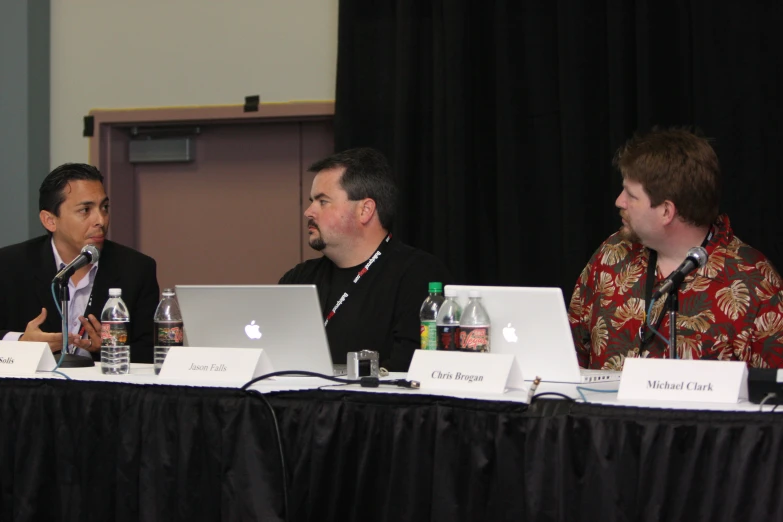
x=448, y=322
x=474, y=325
x=168, y=327
x=115, y=322
x=428, y=316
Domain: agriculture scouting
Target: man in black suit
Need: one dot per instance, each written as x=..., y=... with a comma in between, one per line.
x=74, y=209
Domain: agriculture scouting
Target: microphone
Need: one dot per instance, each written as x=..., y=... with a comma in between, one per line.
x=696, y=258
x=88, y=255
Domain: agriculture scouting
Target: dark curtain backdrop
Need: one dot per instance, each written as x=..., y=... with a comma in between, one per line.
x=501, y=118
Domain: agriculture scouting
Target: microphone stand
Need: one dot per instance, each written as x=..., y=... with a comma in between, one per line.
x=69, y=360
x=673, y=305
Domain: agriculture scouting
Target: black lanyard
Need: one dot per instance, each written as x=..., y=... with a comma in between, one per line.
x=359, y=276
x=645, y=332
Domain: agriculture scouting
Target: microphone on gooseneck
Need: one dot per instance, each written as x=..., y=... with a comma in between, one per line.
x=88, y=255
x=695, y=259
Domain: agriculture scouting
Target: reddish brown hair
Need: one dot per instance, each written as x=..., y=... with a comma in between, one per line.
x=675, y=165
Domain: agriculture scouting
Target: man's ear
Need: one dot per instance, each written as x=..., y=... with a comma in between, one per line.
x=366, y=210
x=669, y=211
x=48, y=220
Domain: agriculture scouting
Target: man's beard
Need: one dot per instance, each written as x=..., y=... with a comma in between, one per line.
x=627, y=233
x=317, y=244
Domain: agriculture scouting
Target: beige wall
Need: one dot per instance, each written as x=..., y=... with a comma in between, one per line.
x=159, y=53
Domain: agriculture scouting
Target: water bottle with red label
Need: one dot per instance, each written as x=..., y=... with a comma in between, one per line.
x=447, y=323
x=474, y=325
x=168, y=327
x=115, y=320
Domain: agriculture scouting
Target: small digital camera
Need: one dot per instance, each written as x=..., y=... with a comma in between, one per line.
x=362, y=364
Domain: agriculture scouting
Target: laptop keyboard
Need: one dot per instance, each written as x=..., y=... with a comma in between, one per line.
x=600, y=375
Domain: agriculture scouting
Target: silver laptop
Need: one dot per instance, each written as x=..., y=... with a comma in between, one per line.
x=532, y=324
x=284, y=320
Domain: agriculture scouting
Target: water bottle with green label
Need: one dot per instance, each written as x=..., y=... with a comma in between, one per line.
x=428, y=316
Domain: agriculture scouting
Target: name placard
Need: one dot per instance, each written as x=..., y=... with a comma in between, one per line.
x=465, y=371
x=683, y=380
x=25, y=358
x=225, y=365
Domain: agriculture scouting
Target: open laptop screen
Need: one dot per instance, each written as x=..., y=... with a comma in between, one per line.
x=284, y=320
x=532, y=324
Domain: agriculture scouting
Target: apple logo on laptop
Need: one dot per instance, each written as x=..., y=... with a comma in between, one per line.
x=253, y=330
x=510, y=334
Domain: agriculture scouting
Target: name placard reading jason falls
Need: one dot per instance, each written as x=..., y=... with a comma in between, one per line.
x=465, y=371
x=23, y=358
x=194, y=364
x=683, y=380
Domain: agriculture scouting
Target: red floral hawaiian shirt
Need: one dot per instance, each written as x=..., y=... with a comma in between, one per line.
x=730, y=309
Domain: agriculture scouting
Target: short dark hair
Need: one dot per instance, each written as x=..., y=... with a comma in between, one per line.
x=367, y=175
x=678, y=165
x=51, y=196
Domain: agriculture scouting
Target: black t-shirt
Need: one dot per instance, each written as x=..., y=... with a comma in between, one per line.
x=382, y=310
x=339, y=281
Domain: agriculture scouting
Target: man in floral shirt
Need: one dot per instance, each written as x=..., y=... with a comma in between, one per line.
x=729, y=309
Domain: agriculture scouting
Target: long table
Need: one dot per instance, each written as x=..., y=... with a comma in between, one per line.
x=94, y=450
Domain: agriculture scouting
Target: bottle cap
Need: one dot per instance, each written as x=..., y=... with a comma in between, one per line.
x=451, y=292
x=168, y=292
x=115, y=292
x=474, y=293
x=436, y=288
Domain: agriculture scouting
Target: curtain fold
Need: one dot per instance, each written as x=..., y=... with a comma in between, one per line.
x=391, y=457
x=501, y=118
x=104, y=451
x=100, y=451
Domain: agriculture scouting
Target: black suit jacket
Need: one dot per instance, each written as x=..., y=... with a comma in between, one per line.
x=26, y=273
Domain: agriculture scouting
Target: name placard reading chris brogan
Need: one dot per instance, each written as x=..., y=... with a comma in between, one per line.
x=683, y=380
x=457, y=376
x=471, y=372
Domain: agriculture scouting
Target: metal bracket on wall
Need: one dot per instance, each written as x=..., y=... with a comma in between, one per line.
x=89, y=126
x=252, y=103
x=162, y=144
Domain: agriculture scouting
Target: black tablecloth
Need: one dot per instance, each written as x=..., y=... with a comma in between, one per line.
x=101, y=451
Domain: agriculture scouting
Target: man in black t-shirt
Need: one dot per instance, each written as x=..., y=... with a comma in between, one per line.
x=370, y=285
